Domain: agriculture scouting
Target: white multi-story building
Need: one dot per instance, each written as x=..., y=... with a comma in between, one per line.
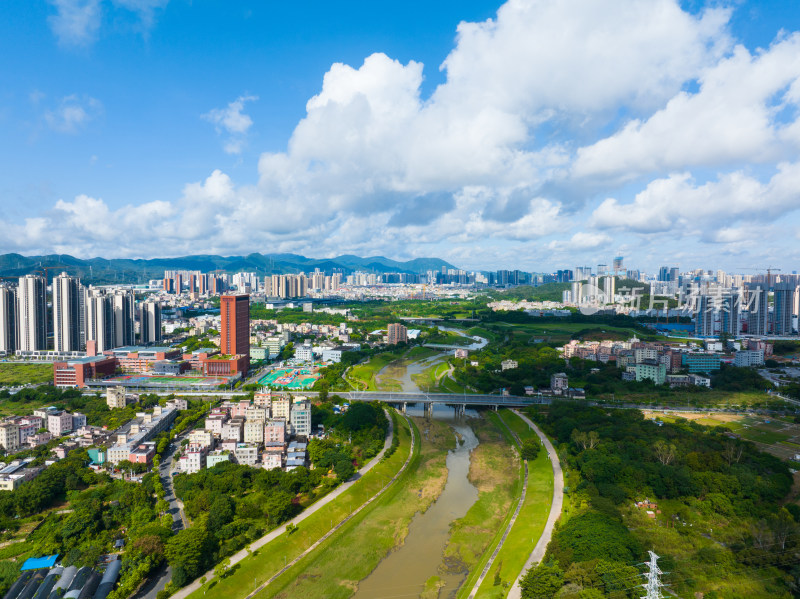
x=232, y=430
x=246, y=454
x=304, y=353
x=281, y=406
x=59, y=423
x=8, y=319
x=201, y=438
x=192, y=461
x=100, y=321
x=32, y=313
x=67, y=319
x=271, y=460
x=257, y=412
x=122, y=305
x=115, y=397
x=332, y=355
x=149, y=322
x=749, y=357
x=254, y=431
x=9, y=437
x=215, y=422
x=300, y=419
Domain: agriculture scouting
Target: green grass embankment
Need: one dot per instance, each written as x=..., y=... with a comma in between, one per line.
x=335, y=568
x=268, y=560
x=496, y=471
x=529, y=524
x=13, y=374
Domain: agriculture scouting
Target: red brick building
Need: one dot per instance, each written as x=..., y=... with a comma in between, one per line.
x=75, y=373
x=225, y=365
x=235, y=329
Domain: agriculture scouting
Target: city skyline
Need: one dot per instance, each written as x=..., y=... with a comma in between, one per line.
x=334, y=132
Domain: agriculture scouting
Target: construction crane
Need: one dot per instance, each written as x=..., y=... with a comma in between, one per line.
x=769, y=269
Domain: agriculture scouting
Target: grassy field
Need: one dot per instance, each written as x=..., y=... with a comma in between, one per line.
x=436, y=379
x=494, y=470
x=727, y=399
x=363, y=375
x=528, y=526
x=337, y=566
x=265, y=562
x=485, y=333
x=420, y=353
x=13, y=374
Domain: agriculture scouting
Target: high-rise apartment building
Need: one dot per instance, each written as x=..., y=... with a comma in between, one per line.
x=704, y=316
x=397, y=333
x=757, y=303
x=785, y=308
x=32, y=313
x=67, y=313
x=123, y=318
x=8, y=319
x=149, y=322
x=100, y=323
x=729, y=313
x=609, y=289
x=235, y=325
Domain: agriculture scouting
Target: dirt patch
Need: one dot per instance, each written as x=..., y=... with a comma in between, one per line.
x=720, y=417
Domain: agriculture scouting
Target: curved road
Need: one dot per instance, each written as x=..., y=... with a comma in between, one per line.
x=237, y=557
x=555, y=508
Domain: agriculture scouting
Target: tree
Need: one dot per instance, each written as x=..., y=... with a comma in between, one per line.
x=221, y=569
x=344, y=469
x=190, y=551
x=665, y=453
x=783, y=526
x=530, y=449
x=732, y=451
x=542, y=581
x=584, y=440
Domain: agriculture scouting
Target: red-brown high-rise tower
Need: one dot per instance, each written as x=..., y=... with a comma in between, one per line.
x=235, y=333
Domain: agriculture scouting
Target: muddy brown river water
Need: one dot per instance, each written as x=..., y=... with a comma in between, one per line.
x=404, y=572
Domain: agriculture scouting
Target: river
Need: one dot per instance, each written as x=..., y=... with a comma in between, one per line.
x=404, y=572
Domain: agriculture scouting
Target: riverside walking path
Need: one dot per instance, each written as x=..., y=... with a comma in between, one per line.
x=555, y=508
x=510, y=523
x=237, y=557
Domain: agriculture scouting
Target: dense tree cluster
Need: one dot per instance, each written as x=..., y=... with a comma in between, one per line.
x=362, y=428
x=231, y=505
x=707, y=478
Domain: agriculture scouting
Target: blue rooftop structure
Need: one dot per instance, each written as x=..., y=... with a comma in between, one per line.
x=36, y=563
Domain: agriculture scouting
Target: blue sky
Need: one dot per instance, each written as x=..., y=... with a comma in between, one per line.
x=554, y=133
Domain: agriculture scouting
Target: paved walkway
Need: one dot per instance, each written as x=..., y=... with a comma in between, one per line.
x=237, y=557
x=327, y=535
x=555, y=508
x=510, y=523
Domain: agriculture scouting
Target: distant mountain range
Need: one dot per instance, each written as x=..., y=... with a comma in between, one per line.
x=119, y=270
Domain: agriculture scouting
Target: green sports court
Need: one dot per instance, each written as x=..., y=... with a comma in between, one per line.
x=291, y=378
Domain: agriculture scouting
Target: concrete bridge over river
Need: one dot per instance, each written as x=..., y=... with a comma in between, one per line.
x=460, y=402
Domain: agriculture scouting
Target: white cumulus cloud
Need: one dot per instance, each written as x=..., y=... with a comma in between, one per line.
x=72, y=113
x=75, y=22
x=232, y=122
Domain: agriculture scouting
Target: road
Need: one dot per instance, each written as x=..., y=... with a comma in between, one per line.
x=163, y=575
x=555, y=509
